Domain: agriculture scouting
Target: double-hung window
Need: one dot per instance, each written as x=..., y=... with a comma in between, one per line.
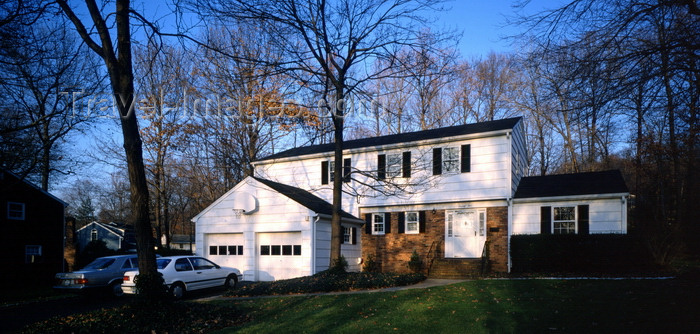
x=377, y=223
x=15, y=211
x=412, y=223
x=393, y=165
x=452, y=160
x=328, y=170
x=564, y=220
x=32, y=253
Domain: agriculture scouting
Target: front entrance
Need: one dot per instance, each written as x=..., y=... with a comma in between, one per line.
x=465, y=233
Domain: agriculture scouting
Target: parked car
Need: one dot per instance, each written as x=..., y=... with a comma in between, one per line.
x=104, y=272
x=187, y=273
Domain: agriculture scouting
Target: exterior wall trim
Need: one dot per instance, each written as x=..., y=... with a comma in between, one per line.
x=570, y=198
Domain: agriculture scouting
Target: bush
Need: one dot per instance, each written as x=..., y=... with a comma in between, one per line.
x=415, y=263
x=370, y=265
x=579, y=254
x=327, y=281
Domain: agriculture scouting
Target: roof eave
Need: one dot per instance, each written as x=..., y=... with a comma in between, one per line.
x=570, y=197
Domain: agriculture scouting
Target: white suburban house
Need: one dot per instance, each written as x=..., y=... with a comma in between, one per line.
x=453, y=195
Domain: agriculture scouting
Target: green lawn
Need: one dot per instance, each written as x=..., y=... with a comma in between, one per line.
x=495, y=306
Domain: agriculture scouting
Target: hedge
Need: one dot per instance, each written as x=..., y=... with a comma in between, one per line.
x=582, y=254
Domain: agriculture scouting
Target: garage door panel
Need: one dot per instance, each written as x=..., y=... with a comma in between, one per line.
x=226, y=249
x=280, y=256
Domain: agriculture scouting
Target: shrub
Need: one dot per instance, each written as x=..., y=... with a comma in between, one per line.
x=340, y=265
x=370, y=265
x=415, y=263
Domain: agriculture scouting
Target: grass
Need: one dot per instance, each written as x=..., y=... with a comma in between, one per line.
x=495, y=306
x=21, y=294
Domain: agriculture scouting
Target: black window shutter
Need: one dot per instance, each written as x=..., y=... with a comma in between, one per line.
x=402, y=222
x=583, y=223
x=346, y=170
x=387, y=223
x=368, y=223
x=437, y=161
x=421, y=222
x=406, y=164
x=466, y=158
x=546, y=220
x=324, y=172
x=381, y=166
x=353, y=237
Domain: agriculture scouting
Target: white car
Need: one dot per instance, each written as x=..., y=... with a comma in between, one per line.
x=187, y=273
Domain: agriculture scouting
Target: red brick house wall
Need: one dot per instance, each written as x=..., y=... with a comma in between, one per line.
x=392, y=251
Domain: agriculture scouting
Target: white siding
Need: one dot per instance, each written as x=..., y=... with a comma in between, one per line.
x=605, y=215
x=275, y=213
x=488, y=178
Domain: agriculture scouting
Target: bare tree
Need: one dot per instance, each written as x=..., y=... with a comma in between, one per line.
x=328, y=47
x=37, y=78
x=118, y=62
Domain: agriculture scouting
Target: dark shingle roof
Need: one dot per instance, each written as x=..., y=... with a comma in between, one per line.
x=305, y=198
x=606, y=182
x=407, y=137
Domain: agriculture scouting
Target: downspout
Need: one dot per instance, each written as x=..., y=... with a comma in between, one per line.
x=509, y=198
x=317, y=217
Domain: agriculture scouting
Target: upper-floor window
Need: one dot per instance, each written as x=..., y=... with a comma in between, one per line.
x=394, y=165
x=93, y=235
x=328, y=170
x=15, y=211
x=450, y=160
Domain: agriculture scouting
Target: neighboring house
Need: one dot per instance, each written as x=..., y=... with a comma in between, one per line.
x=452, y=195
x=180, y=241
x=32, y=235
x=116, y=236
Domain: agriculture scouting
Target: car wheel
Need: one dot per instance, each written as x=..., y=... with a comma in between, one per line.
x=231, y=282
x=177, y=290
x=116, y=289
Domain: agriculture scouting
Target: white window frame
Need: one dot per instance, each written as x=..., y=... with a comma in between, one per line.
x=482, y=222
x=347, y=235
x=450, y=160
x=378, y=224
x=573, y=220
x=15, y=213
x=93, y=235
x=394, y=165
x=412, y=225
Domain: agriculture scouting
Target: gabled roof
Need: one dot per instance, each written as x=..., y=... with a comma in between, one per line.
x=119, y=232
x=590, y=183
x=407, y=137
x=4, y=173
x=305, y=198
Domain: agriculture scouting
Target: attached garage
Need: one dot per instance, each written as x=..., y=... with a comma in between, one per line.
x=271, y=231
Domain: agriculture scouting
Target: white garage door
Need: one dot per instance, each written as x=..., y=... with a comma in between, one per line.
x=280, y=256
x=225, y=249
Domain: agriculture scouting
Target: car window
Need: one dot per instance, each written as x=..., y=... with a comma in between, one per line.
x=162, y=263
x=100, y=263
x=201, y=263
x=130, y=263
x=182, y=265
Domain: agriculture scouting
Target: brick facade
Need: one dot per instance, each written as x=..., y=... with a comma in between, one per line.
x=392, y=251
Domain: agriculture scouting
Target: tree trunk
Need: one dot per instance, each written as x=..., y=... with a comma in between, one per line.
x=338, y=122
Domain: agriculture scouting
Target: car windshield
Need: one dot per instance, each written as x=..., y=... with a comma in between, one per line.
x=162, y=263
x=100, y=263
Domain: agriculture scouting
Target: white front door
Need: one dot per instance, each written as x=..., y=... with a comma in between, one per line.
x=465, y=233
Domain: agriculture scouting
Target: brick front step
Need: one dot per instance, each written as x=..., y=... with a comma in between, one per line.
x=455, y=268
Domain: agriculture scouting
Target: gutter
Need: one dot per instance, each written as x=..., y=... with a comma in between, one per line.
x=570, y=197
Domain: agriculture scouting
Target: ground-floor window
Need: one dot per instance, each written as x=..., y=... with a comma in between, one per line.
x=226, y=250
x=564, y=220
x=32, y=253
x=283, y=250
x=378, y=223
